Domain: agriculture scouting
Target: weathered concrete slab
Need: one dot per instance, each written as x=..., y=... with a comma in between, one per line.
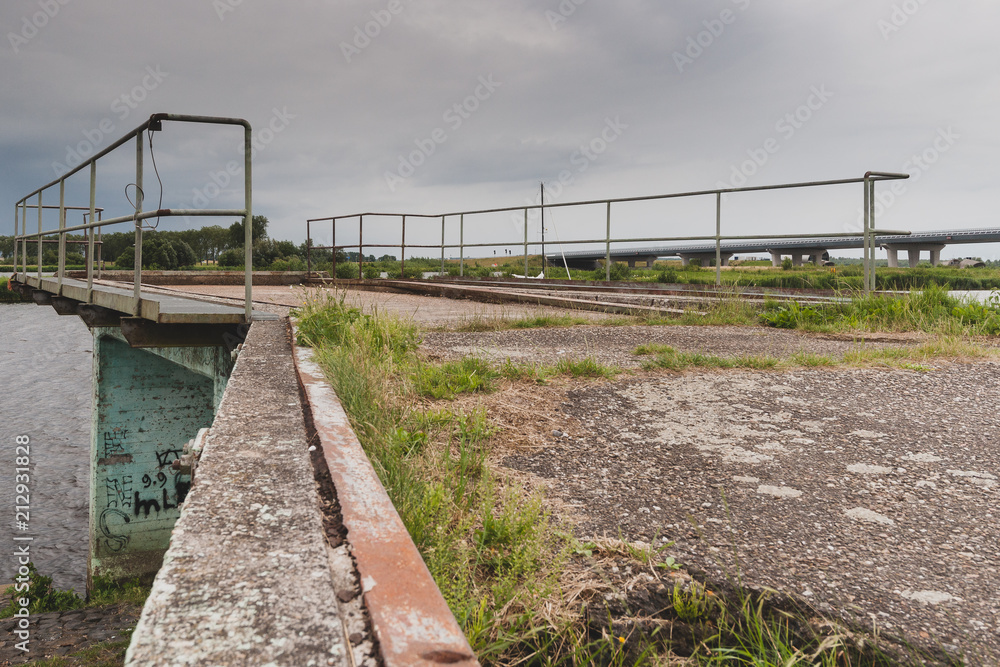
x=870, y=493
x=246, y=580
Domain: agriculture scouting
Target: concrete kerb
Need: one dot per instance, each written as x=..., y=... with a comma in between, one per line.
x=247, y=579
x=410, y=618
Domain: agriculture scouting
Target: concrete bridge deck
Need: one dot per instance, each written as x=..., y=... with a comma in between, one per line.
x=160, y=308
x=799, y=249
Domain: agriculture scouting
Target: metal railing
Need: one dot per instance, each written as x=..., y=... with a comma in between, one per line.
x=98, y=243
x=139, y=134
x=868, y=232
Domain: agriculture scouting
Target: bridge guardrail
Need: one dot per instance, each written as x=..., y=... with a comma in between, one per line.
x=153, y=124
x=868, y=232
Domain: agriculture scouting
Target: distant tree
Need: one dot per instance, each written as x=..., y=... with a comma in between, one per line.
x=159, y=251
x=237, y=233
x=231, y=258
x=115, y=243
x=7, y=247
x=126, y=259
x=186, y=256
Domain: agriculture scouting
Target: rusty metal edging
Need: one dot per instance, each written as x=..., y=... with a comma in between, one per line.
x=409, y=616
x=486, y=295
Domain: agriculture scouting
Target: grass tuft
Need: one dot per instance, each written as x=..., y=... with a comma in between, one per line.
x=466, y=376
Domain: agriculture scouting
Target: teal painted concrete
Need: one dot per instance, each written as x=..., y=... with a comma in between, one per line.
x=147, y=404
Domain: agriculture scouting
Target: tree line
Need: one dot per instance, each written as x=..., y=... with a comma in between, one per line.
x=167, y=250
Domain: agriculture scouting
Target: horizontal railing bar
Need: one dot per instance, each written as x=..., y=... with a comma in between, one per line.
x=759, y=237
x=874, y=176
x=68, y=208
x=161, y=213
x=133, y=133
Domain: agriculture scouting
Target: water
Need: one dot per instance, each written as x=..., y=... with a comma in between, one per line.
x=46, y=363
x=982, y=296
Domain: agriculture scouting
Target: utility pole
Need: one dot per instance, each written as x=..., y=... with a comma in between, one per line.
x=542, y=186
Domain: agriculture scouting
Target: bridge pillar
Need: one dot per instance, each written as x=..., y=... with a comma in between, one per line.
x=147, y=404
x=913, y=252
x=799, y=256
x=706, y=258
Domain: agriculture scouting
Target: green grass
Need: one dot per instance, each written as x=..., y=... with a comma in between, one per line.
x=588, y=367
x=45, y=597
x=489, y=544
x=668, y=358
x=481, y=323
x=466, y=376
x=907, y=357
x=110, y=653
x=6, y=295
x=930, y=310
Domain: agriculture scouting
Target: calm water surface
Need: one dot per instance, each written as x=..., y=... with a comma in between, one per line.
x=46, y=361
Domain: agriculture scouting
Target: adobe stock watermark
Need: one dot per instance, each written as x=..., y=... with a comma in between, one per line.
x=698, y=43
x=223, y=7
x=454, y=117
x=121, y=108
x=918, y=164
x=219, y=180
x=364, y=33
x=898, y=17
x=32, y=25
x=786, y=127
x=562, y=13
x=580, y=160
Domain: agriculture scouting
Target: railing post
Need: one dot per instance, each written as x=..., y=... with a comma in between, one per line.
x=402, y=252
x=525, y=241
x=308, y=251
x=718, y=239
x=39, y=242
x=24, y=231
x=865, y=266
x=607, y=247
x=461, y=246
x=61, y=271
x=361, y=246
x=137, y=294
x=333, y=242
x=100, y=247
x=91, y=232
x=248, y=221
x=871, y=235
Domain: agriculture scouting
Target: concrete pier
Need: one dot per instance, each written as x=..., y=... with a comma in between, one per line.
x=913, y=253
x=800, y=256
x=247, y=578
x=147, y=404
x=704, y=258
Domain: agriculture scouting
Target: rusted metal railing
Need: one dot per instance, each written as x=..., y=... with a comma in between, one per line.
x=141, y=135
x=868, y=232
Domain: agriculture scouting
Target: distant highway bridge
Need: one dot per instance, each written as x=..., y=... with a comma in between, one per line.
x=801, y=250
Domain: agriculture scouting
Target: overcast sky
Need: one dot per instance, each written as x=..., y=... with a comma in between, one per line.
x=432, y=106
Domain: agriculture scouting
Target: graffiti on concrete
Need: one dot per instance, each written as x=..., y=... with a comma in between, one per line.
x=113, y=541
x=114, y=442
x=119, y=491
x=167, y=457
